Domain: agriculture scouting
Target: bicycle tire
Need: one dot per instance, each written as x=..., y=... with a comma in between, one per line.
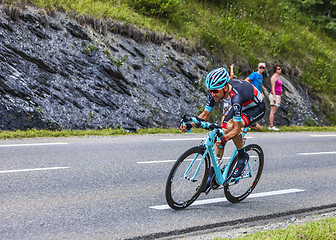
x=181, y=192
x=238, y=191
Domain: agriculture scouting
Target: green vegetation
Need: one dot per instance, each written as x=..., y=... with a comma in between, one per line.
x=33, y=133
x=323, y=229
x=297, y=33
x=323, y=12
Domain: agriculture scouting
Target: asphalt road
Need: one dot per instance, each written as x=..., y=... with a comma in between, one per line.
x=113, y=187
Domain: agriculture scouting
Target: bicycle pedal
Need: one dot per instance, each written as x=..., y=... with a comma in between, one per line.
x=214, y=186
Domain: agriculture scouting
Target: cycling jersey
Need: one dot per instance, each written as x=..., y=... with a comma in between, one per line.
x=226, y=105
x=211, y=102
x=247, y=103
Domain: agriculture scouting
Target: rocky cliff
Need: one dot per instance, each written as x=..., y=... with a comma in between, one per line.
x=61, y=71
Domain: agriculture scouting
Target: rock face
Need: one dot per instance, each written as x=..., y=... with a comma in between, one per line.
x=66, y=72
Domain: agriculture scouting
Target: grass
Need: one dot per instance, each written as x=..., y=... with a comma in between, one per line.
x=323, y=229
x=34, y=133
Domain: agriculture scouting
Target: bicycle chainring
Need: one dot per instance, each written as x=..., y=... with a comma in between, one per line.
x=213, y=184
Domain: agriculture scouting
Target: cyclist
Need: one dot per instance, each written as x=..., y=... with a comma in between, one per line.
x=247, y=107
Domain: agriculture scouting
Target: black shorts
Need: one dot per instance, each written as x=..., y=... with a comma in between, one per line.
x=249, y=116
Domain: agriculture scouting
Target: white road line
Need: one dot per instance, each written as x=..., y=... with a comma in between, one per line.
x=317, y=153
x=223, y=199
x=166, y=161
x=33, y=169
x=181, y=139
x=160, y=161
x=185, y=139
x=32, y=144
x=326, y=135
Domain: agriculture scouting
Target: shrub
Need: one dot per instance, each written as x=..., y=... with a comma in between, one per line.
x=155, y=8
x=322, y=12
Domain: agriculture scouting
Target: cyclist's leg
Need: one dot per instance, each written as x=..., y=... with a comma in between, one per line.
x=256, y=126
x=219, y=150
x=255, y=114
x=242, y=155
x=249, y=116
x=238, y=140
x=228, y=126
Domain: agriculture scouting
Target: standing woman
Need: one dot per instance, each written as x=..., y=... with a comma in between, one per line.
x=275, y=95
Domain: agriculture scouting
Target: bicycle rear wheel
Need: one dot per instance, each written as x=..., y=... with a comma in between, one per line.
x=237, y=191
x=184, y=186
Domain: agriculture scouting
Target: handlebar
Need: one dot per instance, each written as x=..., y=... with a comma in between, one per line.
x=186, y=121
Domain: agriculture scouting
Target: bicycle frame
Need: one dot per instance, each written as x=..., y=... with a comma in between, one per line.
x=209, y=148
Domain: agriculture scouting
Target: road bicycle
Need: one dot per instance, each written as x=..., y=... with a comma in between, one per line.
x=190, y=172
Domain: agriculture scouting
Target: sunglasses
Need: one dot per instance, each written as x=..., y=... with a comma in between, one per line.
x=278, y=68
x=262, y=67
x=215, y=90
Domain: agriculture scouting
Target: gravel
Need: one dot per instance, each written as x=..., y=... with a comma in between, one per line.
x=248, y=228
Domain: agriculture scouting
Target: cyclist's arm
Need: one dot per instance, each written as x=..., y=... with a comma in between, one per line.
x=205, y=115
x=234, y=131
x=232, y=134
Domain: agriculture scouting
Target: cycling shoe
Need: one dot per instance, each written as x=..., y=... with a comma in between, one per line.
x=241, y=163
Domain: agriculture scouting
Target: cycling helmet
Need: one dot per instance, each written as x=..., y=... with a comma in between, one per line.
x=217, y=78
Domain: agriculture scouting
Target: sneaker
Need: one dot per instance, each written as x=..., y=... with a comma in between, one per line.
x=207, y=184
x=240, y=166
x=273, y=128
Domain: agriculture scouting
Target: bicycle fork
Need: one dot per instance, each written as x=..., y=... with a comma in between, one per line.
x=192, y=179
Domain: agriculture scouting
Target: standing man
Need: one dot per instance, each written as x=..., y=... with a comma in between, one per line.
x=256, y=78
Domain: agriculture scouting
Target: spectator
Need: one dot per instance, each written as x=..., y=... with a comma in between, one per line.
x=256, y=78
x=275, y=95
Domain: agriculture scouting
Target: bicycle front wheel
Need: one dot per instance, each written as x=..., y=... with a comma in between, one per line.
x=187, y=178
x=238, y=190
